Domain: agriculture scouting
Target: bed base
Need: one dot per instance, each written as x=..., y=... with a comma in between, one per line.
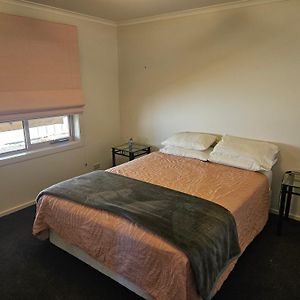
x=81, y=255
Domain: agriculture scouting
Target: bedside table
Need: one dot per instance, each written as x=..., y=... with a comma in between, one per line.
x=290, y=185
x=130, y=152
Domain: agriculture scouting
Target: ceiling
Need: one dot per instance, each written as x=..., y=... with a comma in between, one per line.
x=121, y=10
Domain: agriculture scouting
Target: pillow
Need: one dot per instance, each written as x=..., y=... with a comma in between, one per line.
x=245, y=153
x=191, y=140
x=234, y=161
x=202, y=155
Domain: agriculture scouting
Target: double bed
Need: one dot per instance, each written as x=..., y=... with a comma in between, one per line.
x=142, y=261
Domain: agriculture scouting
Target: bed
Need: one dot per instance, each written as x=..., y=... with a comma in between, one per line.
x=138, y=259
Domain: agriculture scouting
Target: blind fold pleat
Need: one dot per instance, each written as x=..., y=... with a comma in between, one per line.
x=39, y=68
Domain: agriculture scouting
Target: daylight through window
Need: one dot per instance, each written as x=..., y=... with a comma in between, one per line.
x=26, y=135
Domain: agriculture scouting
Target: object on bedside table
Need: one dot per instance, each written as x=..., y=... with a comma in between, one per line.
x=130, y=150
x=290, y=185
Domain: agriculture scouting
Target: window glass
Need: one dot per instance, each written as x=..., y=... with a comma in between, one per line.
x=11, y=137
x=48, y=129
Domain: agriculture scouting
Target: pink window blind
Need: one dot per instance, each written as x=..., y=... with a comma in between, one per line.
x=39, y=69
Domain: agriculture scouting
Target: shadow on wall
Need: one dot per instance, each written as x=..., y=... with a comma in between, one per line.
x=203, y=51
x=221, y=62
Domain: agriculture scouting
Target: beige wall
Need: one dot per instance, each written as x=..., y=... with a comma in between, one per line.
x=19, y=183
x=234, y=71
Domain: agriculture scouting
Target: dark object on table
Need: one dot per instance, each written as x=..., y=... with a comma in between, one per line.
x=130, y=150
x=290, y=185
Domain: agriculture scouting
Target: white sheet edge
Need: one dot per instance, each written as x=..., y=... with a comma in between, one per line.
x=269, y=175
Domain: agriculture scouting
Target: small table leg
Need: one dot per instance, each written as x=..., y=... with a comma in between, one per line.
x=131, y=156
x=281, y=209
x=113, y=157
x=288, y=202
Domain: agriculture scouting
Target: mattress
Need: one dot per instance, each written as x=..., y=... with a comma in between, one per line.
x=148, y=262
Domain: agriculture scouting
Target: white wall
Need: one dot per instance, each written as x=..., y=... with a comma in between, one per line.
x=19, y=183
x=233, y=71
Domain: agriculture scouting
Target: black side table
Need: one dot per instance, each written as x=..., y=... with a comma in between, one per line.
x=290, y=185
x=129, y=151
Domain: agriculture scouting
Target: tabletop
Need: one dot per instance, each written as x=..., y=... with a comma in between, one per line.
x=135, y=147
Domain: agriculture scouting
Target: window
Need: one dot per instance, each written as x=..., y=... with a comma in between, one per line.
x=11, y=137
x=26, y=135
x=49, y=130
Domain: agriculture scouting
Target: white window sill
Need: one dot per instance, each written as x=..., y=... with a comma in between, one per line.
x=20, y=157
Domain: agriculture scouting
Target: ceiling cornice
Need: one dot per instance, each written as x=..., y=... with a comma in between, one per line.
x=197, y=11
x=166, y=16
x=59, y=11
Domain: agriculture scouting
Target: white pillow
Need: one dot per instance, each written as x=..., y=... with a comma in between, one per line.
x=245, y=153
x=234, y=161
x=191, y=140
x=202, y=155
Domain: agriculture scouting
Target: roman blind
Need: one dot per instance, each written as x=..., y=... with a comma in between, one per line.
x=39, y=69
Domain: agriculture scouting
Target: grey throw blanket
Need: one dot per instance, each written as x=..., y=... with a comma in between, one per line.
x=204, y=231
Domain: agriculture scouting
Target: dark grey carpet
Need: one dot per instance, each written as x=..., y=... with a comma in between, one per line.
x=31, y=269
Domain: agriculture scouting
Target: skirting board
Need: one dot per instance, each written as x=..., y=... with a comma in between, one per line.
x=292, y=216
x=81, y=255
x=16, y=208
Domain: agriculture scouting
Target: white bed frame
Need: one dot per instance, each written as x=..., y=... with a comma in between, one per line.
x=81, y=255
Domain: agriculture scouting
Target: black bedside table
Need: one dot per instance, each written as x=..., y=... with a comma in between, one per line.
x=290, y=185
x=130, y=152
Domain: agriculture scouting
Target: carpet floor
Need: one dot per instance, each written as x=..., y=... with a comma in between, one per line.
x=32, y=269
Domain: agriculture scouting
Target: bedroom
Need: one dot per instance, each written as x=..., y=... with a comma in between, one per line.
x=230, y=69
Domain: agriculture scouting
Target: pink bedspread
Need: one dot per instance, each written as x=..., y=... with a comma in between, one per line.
x=160, y=269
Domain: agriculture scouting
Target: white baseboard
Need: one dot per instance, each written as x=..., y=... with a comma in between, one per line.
x=16, y=208
x=292, y=216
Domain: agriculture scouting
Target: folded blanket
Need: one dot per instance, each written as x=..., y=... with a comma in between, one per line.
x=204, y=231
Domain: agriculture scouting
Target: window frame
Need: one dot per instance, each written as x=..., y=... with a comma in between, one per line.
x=74, y=136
